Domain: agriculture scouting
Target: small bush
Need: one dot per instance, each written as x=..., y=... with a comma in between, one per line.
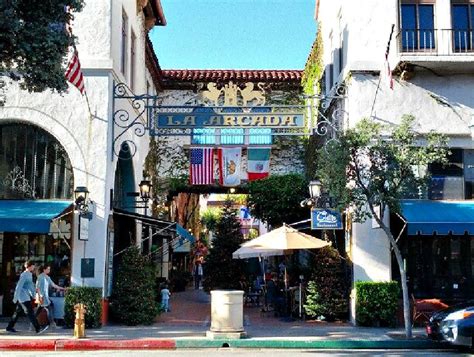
x=376, y=303
x=91, y=298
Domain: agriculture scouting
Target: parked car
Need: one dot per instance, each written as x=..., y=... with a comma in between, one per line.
x=454, y=324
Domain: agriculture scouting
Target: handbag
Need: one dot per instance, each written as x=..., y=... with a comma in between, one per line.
x=39, y=300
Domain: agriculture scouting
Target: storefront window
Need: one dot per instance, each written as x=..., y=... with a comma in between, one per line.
x=440, y=266
x=33, y=164
x=39, y=248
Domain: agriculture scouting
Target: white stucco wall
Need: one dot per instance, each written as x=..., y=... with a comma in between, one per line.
x=88, y=139
x=441, y=100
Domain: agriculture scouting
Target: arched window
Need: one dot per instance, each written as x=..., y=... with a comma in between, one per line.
x=33, y=164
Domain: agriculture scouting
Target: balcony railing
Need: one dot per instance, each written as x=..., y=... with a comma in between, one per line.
x=438, y=42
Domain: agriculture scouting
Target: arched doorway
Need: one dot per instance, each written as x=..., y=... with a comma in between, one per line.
x=124, y=184
x=36, y=175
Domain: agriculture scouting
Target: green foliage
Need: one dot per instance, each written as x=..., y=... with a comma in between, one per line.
x=376, y=303
x=276, y=200
x=210, y=217
x=134, y=296
x=165, y=177
x=313, y=70
x=327, y=292
x=220, y=270
x=91, y=298
x=34, y=43
x=373, y=165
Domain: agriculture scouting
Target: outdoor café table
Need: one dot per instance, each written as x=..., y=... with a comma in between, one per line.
x=253, y=298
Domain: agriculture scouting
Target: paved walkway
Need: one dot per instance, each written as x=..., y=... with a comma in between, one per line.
x=189, y=319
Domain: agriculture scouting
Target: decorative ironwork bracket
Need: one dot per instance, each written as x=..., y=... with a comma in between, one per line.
x=136, y=112
x=329, y=118
x=123, y=120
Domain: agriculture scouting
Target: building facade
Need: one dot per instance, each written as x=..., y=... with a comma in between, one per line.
x=430, y=69
x=51, y=144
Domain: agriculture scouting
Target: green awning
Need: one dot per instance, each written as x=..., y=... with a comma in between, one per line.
x=30, y=216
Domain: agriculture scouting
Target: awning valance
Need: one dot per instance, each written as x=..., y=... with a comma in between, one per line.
x=180, y=230
x=167, y=227
x=30, y=216
x=441, y=217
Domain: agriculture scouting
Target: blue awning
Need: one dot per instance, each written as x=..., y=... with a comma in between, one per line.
x=27, y=216
x=181, y=231
x=441, y=217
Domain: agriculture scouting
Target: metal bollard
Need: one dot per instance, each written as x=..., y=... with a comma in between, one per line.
x=79, y=322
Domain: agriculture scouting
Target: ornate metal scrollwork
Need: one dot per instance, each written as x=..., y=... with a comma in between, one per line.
x=329, y=116
x=16, y=182
x=124, y=121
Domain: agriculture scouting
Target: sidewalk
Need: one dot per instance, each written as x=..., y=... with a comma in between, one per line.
x=186, y=325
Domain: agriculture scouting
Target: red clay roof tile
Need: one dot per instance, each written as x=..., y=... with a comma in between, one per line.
x=173, y=75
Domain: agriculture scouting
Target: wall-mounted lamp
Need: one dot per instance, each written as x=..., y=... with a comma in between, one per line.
x=232, y=190
x=314, y=188
x=82, y=201
x=318, y=198
x=145, y=189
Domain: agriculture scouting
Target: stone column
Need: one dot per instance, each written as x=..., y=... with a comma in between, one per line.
x=227, y=314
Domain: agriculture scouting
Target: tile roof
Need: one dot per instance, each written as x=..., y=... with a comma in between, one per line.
x=218, y=75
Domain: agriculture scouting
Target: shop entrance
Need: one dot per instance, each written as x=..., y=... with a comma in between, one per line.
x=16, y=248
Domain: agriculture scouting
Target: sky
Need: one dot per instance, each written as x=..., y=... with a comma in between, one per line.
x=235, y=34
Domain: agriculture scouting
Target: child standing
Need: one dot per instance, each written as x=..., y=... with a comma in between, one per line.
x=165, y=299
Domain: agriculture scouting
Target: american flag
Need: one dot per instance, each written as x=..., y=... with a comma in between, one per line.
x=202, y=166
x=74, y=73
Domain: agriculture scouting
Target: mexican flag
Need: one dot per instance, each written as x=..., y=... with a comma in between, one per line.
x=258, y=166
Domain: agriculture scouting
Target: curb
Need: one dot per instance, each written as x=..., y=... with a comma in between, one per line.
x=31, y=345
x=171, y=344
x=86, y=345
x=310, y=344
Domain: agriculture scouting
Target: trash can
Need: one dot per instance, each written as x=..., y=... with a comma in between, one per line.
x=227, y=314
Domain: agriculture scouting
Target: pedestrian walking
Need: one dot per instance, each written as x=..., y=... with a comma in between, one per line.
x=197, y=274
x=165, y=299
x=24, y=293
x=43, y=283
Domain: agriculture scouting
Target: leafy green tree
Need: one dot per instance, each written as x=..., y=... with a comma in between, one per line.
x=220, y=270
x=276, y=200
x=134, y=294
x=372, y=166
x=34, y=42
x=210, y=217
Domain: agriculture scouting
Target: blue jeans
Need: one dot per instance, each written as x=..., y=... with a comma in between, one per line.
x=165, y=305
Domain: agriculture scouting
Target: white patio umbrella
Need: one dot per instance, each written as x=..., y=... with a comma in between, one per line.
x=255, y=252
x=280, y=241
x=286, y=238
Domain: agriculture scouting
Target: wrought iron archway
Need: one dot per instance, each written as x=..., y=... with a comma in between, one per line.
x=323, y=113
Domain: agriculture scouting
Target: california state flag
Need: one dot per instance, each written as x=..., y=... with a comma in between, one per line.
x=229, y=166
x=258, y=166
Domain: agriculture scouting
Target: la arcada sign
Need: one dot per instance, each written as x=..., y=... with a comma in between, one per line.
x=228, y=117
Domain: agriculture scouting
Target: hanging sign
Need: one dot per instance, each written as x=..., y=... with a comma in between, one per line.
x=325, y=219
x=83, y=227
x=222, y=117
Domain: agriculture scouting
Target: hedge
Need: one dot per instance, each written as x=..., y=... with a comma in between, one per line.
x=376, y=303
x=91, y=298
